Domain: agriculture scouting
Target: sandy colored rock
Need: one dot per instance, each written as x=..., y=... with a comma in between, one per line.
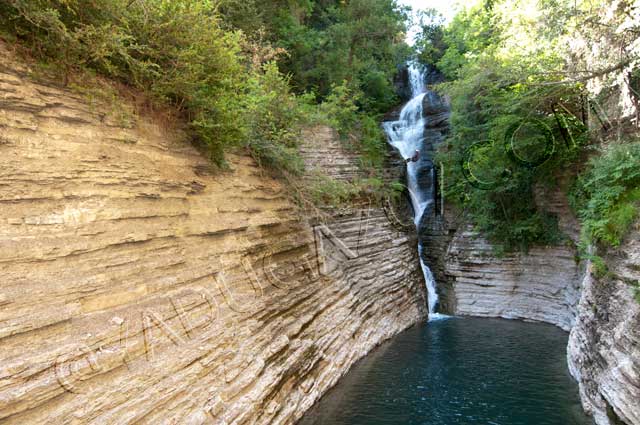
x=140, y=286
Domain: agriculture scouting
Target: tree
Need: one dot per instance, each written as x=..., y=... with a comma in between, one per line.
x=430, y=42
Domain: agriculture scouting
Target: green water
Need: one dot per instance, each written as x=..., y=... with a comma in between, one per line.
x=459, y=371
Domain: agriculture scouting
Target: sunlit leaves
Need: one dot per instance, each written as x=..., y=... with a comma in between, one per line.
x=607, y=195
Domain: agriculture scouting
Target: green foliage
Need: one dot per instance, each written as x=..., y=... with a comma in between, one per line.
x=430, y=40
x=340, y=109
x=513, y=125
x=329, y=42
x=275, y=121
x=360, y=131
x=606, y=196
x=208, y=59
x=329, y=192
x=600, y=268
x=474, y=32
x=519, y=130
x=507, y=214
x=77, y=32
x=372, y=143
x=201, y=69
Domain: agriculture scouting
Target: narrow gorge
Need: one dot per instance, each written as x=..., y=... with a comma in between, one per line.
x=362, y=212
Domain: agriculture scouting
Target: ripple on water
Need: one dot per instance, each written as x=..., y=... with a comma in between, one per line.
x=459, y=371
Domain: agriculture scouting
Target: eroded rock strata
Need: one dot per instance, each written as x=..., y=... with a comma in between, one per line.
x=139, y=286
x=604, y=346
x=542, y=285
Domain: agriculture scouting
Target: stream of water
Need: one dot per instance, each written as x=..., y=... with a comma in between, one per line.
x=407, y=136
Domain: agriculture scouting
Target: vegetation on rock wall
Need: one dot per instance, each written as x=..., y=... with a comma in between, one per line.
x=175, y=51
x=242, y=73
x=524, y=110
x=607, y=194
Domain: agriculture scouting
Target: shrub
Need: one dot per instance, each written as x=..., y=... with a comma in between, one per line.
x=372, y=142
x=175, y=50
x=606, y=196
x=327, y=191
x=340, y=109
x=275, y=118
x=504, y=134
x=600, y=268
x=200, y=67
x=358, y=130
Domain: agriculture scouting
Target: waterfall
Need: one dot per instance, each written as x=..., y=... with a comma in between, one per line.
x=407, y=135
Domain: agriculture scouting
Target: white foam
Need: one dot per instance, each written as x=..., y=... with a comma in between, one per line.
x=407, y=135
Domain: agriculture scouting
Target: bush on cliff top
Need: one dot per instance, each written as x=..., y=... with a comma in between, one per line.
x=180, y=54
x=606, y=196
x=218, y=63
x=173, y=50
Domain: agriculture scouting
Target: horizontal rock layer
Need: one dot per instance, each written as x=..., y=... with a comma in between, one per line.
x=140, y=286
x=542, y=285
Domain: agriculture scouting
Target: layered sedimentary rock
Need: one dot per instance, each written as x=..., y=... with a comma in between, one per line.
x=139, y=285
x=541, y=285
x=604, y=346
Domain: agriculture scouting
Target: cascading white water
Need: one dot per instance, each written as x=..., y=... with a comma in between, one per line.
x=430, y=281
x=407, y=135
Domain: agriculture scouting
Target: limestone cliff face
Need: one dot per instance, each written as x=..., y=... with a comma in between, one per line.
x=542, y=285
x=140, y=286
x=604, y=346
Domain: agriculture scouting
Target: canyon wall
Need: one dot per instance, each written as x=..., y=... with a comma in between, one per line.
x=604, y=346
x=140, y=285
x=542, y=285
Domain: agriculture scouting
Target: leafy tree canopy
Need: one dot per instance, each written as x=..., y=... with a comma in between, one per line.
x=523, y=99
